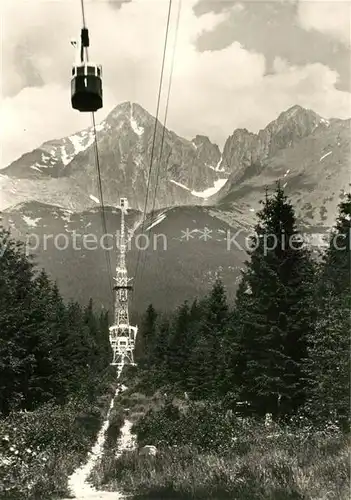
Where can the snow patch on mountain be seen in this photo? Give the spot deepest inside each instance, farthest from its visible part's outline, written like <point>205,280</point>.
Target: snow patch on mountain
<point>218,166</point>
<point>180,185</point>
<point>65,158</point>
<point>31,222</point>
<point>94,199</point>
<point>78,144</point>
<point>324,156</point>
<point>219,183</point>
<point>99,127</point>
<point>159,219</point>
<point>134,124</point>
<point>3,180</point>
<point>72,145</point>
<point>66,216</point>
<point>34,167</point>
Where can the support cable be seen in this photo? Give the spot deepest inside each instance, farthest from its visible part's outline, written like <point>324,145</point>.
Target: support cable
<point>154,136</point>
<point>85,45</point>
<point>164,123</point>
<point>167,106</point>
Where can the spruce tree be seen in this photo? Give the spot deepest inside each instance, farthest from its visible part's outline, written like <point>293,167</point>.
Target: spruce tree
<point>16,276</point>
<point>160,351</point>
<point>336,269</point>
<point>275,313</point>
<point>178,349</point>
<point>91,322</point>
<point>39,384</point>
<point>47,351</point>
<point>105,353</point>
<point>207,369</point>
<point>328,364</point>
<point>146,336</point>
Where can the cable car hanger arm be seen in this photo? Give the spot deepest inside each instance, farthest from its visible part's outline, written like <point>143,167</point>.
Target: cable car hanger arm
<point>84,37</point>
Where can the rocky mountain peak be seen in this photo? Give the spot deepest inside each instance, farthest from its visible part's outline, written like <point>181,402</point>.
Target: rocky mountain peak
<point>63,171</point>
<point>129,113</point>
<point>303,121</point>
<point>294,111</point>
<point>207,152</point>
<point>201,140</point>
<point>244,149</point>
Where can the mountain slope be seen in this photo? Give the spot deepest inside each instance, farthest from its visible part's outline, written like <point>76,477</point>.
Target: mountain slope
<point>309,154</point>
<point>179,261</point>
<point>64,171</point>
<point>314,171</point>
<point>244,148</point>
<point>179,250</point>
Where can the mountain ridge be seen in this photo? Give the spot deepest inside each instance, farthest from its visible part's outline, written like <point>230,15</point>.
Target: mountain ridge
<point>314,172</point>
<point>189,172</point>
<point>126,149</point>
<point>186,247</point>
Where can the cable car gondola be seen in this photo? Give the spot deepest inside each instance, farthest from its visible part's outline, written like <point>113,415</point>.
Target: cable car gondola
<point>86,83</point>
<point>86,87</point>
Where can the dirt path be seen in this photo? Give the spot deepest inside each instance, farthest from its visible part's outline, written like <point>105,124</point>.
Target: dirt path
<point>77,483</point>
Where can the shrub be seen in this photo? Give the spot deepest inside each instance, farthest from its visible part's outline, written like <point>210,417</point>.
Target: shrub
<point>40,449</point>
<point>114,429</point>
<point>283,469</point>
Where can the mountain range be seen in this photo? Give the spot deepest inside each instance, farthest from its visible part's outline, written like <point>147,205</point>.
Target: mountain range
<point>63,172</point>
<point>202,195</point>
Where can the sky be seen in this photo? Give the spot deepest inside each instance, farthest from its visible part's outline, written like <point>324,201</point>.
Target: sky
<point>237,64</point>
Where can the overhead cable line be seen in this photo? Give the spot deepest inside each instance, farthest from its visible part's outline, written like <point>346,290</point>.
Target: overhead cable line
<point>167,106</point>
<point>158,168</point>
<point>97,159</point>
<point>101,197</point>
<point>154,134</point>
<point>83,13</point>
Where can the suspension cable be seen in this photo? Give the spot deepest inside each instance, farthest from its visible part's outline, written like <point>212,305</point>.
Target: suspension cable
<point>167,106</point>
<point>164,126</point>
<point>154,134</point>
<point>101,197</point>
<point>98,170</point>
<point>83,13</point>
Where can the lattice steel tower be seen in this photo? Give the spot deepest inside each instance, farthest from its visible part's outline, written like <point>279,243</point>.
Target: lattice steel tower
<point>122,334</point>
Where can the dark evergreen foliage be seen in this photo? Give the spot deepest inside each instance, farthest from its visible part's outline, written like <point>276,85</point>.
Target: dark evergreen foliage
<point>146,336</point>
<point>336,271</point>
<point>328,363</point>
<point>48,350</point>
<point>281,348</point>
<point>275,311</point>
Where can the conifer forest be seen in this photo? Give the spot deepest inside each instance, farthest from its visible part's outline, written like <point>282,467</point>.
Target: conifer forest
<point>248,399</point>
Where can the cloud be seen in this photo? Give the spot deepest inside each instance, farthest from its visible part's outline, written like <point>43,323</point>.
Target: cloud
<point>329,17</point>
<point>213,92</point>
<point>29,119</point>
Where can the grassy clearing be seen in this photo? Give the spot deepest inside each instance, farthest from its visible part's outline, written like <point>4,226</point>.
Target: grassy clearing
<point>40,449</point>
<point>136,404</point>
<point>254,463</point>
<point>114,429</point>
<point>268,471</point>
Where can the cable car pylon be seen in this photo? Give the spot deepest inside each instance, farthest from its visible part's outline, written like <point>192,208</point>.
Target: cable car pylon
<point>86,83</point>
<point>122,334</point>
